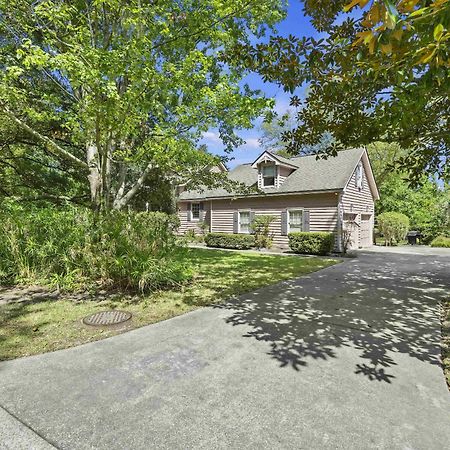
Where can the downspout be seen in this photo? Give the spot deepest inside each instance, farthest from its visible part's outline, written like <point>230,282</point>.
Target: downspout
<point>340,222</point>
<point>210,216</point>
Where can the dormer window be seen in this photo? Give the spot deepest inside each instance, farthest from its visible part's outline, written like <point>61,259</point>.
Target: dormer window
<point>272,170</point>
<point>269,174</point>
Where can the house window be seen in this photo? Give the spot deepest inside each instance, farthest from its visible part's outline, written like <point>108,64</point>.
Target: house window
<point>244,221</point>
<point>195,210</point>
<point>269,173</point>
<point>295,220</point>
<point>359,176</point>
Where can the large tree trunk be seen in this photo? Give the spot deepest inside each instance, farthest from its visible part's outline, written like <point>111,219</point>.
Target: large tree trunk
<point>95,183</point>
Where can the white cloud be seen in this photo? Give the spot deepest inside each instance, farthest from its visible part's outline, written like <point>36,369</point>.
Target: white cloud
<point>251,143</point>
<point>212,137</point>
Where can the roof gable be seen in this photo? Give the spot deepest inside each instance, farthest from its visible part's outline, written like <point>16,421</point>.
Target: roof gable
<point>310,175</point>
<point>369,175</point>
<point>272,157</point>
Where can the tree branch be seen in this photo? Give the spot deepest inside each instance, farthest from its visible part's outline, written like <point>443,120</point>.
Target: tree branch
<point>48,142</point>
<point>119,204</point>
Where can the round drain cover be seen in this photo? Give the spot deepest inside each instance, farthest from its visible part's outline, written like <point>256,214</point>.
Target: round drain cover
<point>102,318</point>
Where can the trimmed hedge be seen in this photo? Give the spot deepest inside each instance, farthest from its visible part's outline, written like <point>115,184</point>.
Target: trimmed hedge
<point>311,243</point>
<point>441,241</point>
<point>224,240</point>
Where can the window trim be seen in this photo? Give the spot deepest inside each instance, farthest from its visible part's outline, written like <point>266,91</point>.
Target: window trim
<point>239,221</point>
<point>195,219</point>
<point>289,210</point>
<point>275,176</point>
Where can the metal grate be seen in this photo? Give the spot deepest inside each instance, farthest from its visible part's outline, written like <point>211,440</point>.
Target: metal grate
<point>105,318</point>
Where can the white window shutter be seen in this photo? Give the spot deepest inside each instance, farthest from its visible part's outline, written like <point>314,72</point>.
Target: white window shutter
<point>189,213</point>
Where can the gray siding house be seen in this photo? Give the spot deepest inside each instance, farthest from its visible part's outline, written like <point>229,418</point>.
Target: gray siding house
<point>302,193</point>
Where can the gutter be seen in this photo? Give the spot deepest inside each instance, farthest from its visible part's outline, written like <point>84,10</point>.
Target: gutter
<point>271,194</point>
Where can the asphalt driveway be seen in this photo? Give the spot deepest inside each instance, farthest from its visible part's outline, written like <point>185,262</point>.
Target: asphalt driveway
<point>346,358</point>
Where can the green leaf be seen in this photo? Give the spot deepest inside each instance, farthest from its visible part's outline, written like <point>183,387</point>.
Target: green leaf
<point>438,32</point>
<point>418,12</point>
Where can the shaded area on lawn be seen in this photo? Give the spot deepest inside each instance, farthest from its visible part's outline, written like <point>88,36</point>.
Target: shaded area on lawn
<point>49,324</point>
<point>379,310</point>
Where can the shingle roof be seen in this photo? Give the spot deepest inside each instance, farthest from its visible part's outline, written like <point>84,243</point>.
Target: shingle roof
<point>312,175</point>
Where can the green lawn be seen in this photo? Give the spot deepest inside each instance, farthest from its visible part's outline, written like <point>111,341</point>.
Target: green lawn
<point>27,329</point>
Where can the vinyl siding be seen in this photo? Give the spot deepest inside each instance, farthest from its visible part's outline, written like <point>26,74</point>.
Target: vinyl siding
<point>186,225</point>
<point>322,207</point>
<point>283,173</point>
<point>359,202</point>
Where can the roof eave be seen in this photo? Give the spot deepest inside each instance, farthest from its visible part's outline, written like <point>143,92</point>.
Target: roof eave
<point>264,194</point>
<point>274,158</point>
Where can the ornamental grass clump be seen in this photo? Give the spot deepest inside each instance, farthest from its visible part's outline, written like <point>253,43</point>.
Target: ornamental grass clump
<point>74,248</point>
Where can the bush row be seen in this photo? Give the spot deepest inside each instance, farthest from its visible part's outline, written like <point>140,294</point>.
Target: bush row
<point>306,242</point>
<point>224,240</point>
<point>311,243</point>
<point>441,241</point>
<point>73,248</point>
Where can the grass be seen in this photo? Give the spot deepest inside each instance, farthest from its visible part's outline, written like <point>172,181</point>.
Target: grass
<point>32,328</point>
<point>446,339</point>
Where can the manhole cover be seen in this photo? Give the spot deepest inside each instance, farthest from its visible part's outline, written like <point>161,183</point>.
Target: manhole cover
<point>107,318</point>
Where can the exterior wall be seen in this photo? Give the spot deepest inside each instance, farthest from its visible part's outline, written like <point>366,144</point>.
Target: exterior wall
<point>186,225</point>
<point>283,173</point>
<point>359,203</point>
<point>322,207</point>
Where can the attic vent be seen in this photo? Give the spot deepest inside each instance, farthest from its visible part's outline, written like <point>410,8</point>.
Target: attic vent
<point>359,176</point>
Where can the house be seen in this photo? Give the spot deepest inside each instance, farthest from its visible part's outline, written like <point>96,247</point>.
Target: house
<point>303,193</point>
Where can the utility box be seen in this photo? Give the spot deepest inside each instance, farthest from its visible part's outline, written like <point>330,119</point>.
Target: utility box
<point>413,236</point>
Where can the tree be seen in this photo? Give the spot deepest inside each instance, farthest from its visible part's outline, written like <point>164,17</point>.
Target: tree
<point>380,73</point>
<point>426,205</point>
<point>275,128</point>
<point>272,131</point>
<point>118,89</point>
<point>393,226</point>
<point>29,172</point>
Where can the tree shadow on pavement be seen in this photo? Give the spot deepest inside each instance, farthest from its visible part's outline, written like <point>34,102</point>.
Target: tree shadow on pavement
<point>377,304</point>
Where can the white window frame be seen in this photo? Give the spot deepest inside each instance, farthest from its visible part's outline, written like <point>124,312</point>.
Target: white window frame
<point>289,211</point>
<point>239,221</point>
<point>195,219</point>
<point>275,176</point>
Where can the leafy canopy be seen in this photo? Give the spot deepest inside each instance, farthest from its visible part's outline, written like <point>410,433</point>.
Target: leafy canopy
<point>393,226</point>
<point>379,74</point>
<point>427,205</point>
<point>118,89</point>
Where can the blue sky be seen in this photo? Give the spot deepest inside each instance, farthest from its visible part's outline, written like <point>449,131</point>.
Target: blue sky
<point>297,24</point>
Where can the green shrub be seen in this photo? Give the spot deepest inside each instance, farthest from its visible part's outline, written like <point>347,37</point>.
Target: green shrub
<point>223,240</point>
<point>73,248</point>
<point>260,228</point>
<point>441,241</point>
<point>311,243</point>
<point>190,235</point>
<point>393,226</point>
